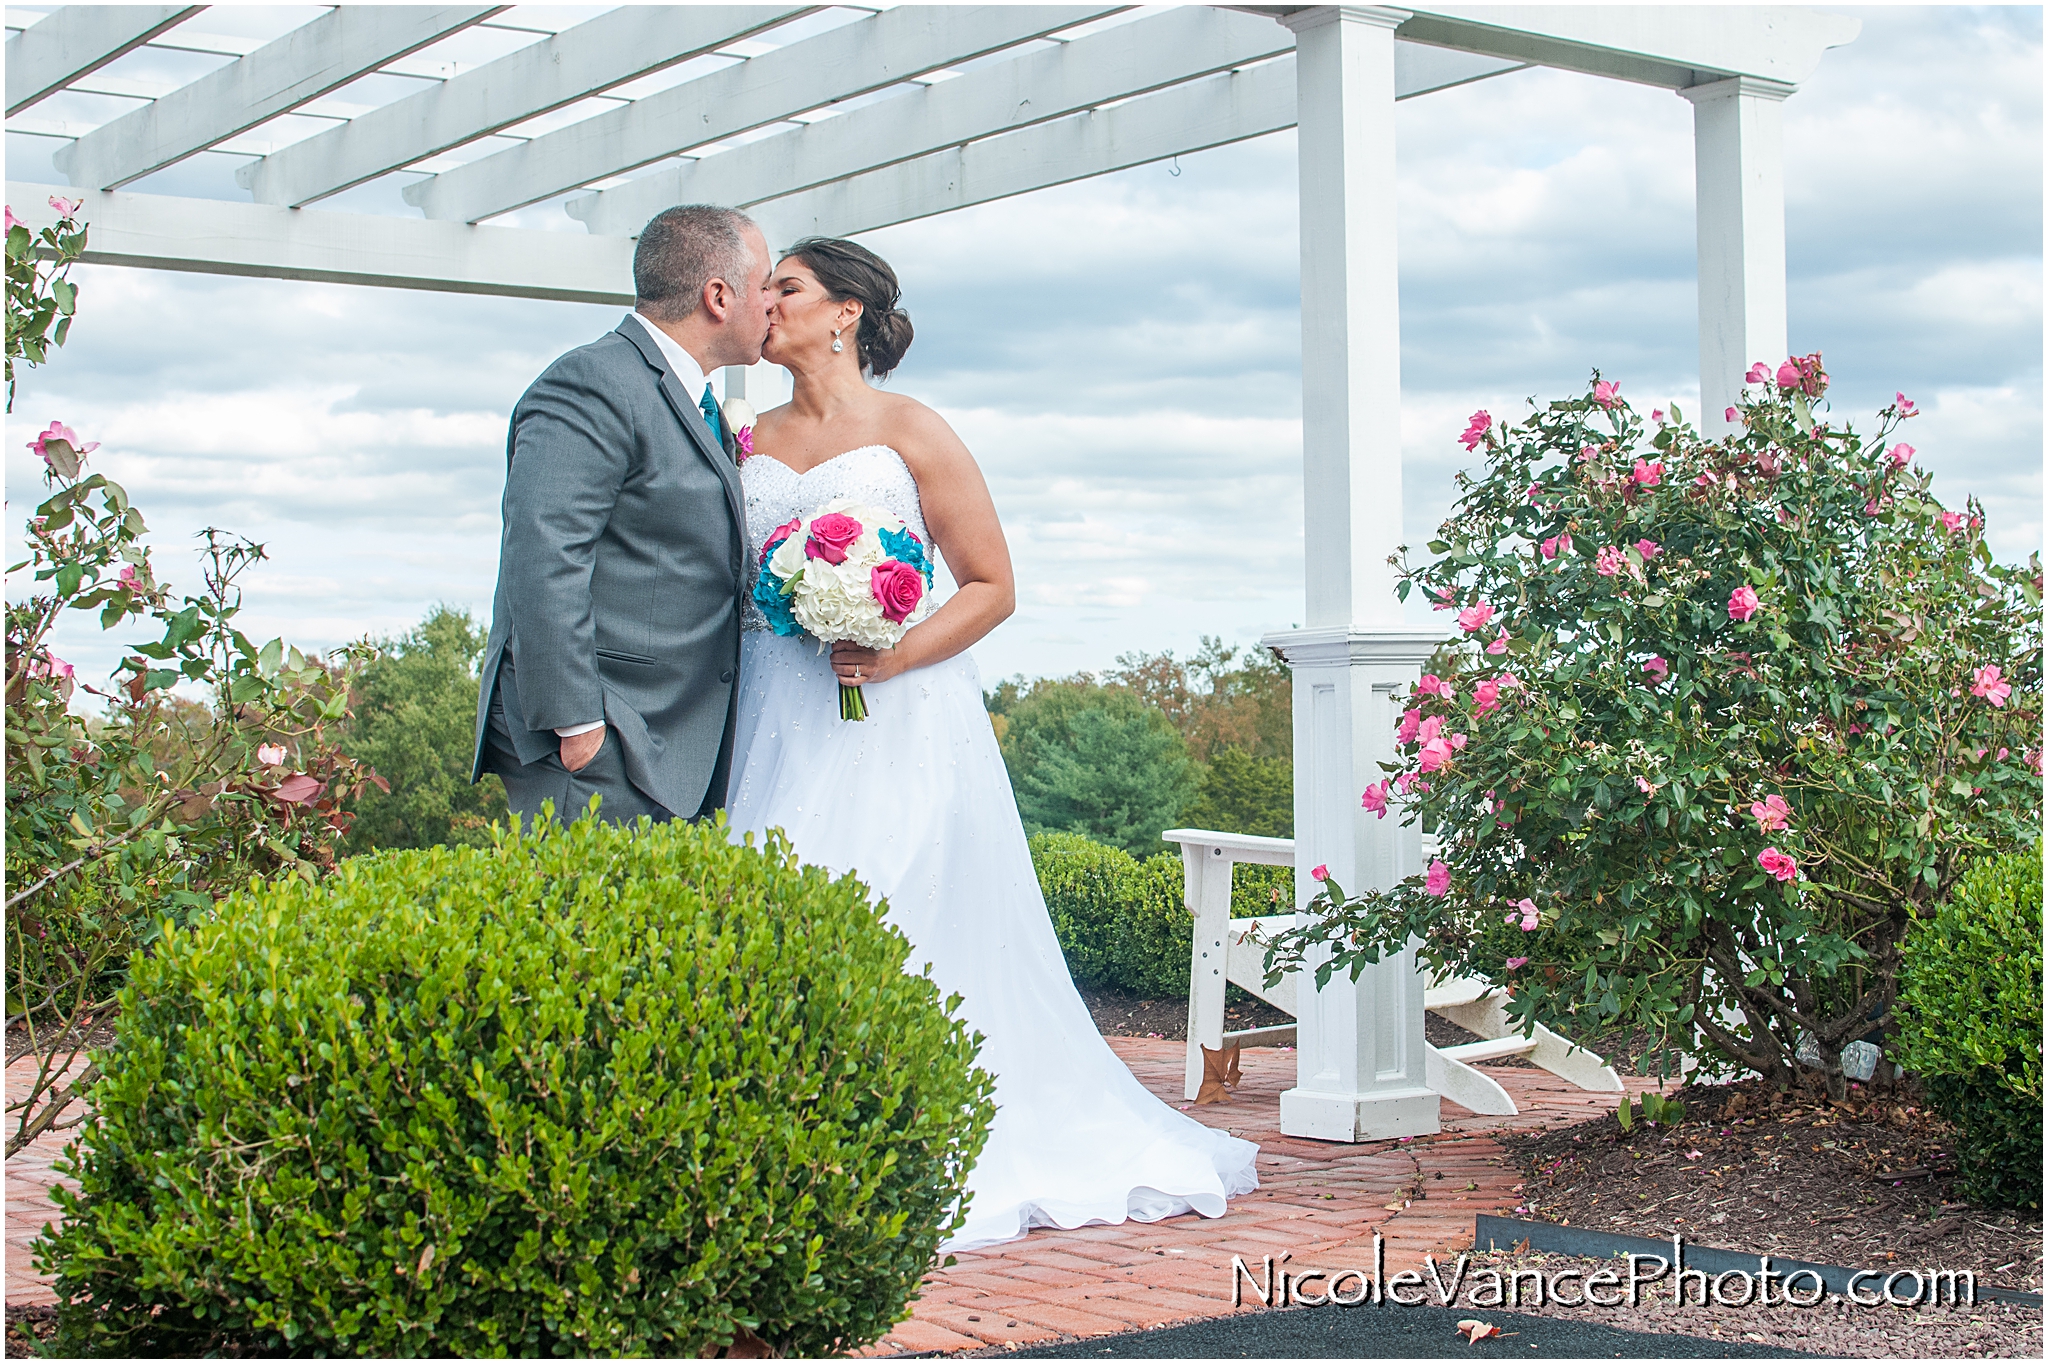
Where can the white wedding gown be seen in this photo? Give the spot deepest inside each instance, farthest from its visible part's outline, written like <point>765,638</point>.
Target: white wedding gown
<point>916,801</point>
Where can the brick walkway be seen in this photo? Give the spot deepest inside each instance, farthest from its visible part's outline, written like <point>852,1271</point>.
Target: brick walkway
<point>1318,1201</point>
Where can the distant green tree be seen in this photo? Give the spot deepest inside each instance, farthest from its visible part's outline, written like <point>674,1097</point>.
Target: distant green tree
<point>1245,794</point>
<point>1107,766</point>
<point>415,722</point>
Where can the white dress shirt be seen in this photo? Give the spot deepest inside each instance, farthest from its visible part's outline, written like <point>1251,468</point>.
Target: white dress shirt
<point>691,376</point>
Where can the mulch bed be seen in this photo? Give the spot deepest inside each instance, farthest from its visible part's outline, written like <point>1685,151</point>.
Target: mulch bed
<point>27,1326</point>
<point>1866,1183</point>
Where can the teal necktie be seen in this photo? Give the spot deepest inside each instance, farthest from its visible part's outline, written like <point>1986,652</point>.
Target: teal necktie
<point>709,407</point>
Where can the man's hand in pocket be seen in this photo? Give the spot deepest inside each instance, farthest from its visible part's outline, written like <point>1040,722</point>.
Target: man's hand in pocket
<point>579,749</point>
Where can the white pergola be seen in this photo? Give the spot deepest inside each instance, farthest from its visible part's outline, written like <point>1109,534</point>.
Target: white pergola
<point>420,147</point>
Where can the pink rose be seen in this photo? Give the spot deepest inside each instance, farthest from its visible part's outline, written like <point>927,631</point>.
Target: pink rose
<point>1778,864</point>
<point>1742,603</point>
<point>1533,490</point>
<point>1606,394</point>
<point>1531,920</point>
<point>1438,882</point>
<point>66,208</point>
<point>1730,414</point>
<point>1643,785</point>
<point>1905,405</point>
<point>1657,415</point>
<point>1788,375</point>
<point>1649,549</point>
<point>1771,813</point>
<point>1990,685</point>
<point>831,535</point>
<point>12,221</point>
<point>1758,373</point>
<point>1649,473</point>
<point>1901,453</point>
<point>1411,724</point>
<point>1509,682</point>
<point>129,578</point>
<point>1475,430</point>
<point>1435,753</point>
<point>1375,798</point>
<point>896,585</point>
<point>1608,561</point>
<point>1430,728</point>
<point>1499,645</point>
<point>1430,685</point>
<point>1320,871</point>
<point>1473,618</point>
<point>1517,963</point>
<point>1706,480</point>
<point>1657,668</point>
<point>270,755</point>
<point>1951,522</point>
<point>57,432</point>
<point>1549,548</point>
<point>51,668</point>
<point>1445,599</point>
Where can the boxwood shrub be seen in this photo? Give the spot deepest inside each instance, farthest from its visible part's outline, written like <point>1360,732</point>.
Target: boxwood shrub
<point>587,1091</point>
<point>1970,1009</point>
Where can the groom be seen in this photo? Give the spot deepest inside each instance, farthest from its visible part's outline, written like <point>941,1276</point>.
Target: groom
<point>615,630</point>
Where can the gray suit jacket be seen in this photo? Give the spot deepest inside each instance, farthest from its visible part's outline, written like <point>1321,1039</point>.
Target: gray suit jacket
<point>621,570</point>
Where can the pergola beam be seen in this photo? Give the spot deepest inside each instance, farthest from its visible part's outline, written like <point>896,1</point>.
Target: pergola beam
<point>1032,88</point>
<point>211,236</point>
<point>304,64</point>
<point>78,40</point>
<point>615,47</point>
<point>854,59</point>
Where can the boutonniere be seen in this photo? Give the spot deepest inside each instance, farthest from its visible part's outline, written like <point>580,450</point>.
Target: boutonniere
<point>740,417</point>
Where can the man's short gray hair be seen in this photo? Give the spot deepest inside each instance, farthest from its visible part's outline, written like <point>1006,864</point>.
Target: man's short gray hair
<point>684,248</point>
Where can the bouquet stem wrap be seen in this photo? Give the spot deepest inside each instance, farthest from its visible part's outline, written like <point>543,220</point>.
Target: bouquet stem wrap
<point>852,704</point>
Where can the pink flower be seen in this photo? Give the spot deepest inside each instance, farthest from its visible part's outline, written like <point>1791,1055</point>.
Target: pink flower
<point>1649,549</point>
<point>1952,521</point>
<point>1608,561</point>
<point>744,440</point>
<point>1320,871</point>
<point>1430,728</point>
<point>1771,813</point>
<point>51,668</point>
<point>1900,454</point>
<point>1788,375</point>
<point>898,587</point>
<point>12,221</point>
<point>1742,603</point>
<point>1375,798</point>
<point>1438,882</point>
<point>1499,645</point>
<point>1431,685</point>
<point>1531,920</point>
<point>1517,963</point>
<point>1485,697</point>
<point>1475,431</point>
<point>2001,755</point>
<point>1758,373</point>
<point>1533,490</point>
<point>58,431</point>
<point>66,208</point>
<point>1649,473</point>
<point>1778,864</point>
<point>1445,599</point>
<point>1730,414</point>
<point>129,578</point>
<point>1657,415</point>
<point>785,530</point>
<point>831,535</point>
<point>1643,785</point>
<point>1657,668</point>
<point>1457,741</point>
<point>271,755</point>
<point>1905,405</point>
<point>1509,682</point>
<point>1473,618</point>
<point>1706,480</point>
<point>1435,753</point>
<point>1990,685</point>
<point>1411,724</point>
<point>1606,394</point>
<point>1556,545</point>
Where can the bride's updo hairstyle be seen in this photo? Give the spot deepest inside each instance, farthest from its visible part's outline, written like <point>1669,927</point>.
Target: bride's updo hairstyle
<point>849,270</point>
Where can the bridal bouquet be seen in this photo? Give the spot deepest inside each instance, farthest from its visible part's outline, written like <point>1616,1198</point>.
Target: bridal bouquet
<point>848,571</point>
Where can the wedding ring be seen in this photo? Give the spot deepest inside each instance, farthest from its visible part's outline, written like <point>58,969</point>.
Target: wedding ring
<point>856,674</point>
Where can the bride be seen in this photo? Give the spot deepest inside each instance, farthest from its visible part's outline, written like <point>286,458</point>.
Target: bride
<point>915,800</point>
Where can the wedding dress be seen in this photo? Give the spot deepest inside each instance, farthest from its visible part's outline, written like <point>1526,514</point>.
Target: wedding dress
<point>915,800</point>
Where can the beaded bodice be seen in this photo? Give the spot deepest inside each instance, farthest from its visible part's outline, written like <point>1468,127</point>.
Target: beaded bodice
<point>776,493</point>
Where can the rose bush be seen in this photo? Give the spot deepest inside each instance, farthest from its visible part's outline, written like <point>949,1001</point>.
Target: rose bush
<point>1724,718</point>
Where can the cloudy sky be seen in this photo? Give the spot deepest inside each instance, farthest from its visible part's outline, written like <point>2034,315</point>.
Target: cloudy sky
<point>1123,355</point>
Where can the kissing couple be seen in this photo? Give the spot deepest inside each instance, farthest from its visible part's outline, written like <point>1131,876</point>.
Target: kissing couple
<point>627,660</point>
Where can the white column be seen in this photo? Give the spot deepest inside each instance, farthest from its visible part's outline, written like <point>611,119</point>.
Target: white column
<point>1360,1058</point>
<point>1739,167</point>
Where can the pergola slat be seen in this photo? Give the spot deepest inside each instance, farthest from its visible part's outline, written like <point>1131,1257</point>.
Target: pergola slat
<point>855,59</point>
<point>276,78</point>
<point>609,50</point>
<point>1035,87</point>
<point>78,40</point>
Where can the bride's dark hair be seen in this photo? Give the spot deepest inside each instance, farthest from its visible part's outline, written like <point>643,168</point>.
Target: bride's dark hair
<point>849,270</point>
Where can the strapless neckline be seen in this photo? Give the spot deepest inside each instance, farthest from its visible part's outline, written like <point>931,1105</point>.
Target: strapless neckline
<point>856,450</point>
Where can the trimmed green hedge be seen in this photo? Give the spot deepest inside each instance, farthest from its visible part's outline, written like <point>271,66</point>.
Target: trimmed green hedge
<point>1970,1012</point>
<point>1125,923</point>
<point>590,1091</point>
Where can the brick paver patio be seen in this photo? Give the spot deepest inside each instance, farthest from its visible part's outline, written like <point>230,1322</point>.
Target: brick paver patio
<point>1317,1201</point>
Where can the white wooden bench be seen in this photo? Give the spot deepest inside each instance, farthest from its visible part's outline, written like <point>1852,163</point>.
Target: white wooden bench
<point>1229,951</point>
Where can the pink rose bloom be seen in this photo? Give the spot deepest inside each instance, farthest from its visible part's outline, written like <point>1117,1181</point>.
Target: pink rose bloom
<point>1606,394</point>
<point>1900,454</point>
<point>1657,415</point>
<point>785,530</point>
<point>12,221</point>
<point>1549,547</point>
<point>1473,618</point>
<point>66,208</point>
<point>1517,963</point>
<point>1657,668</point>
<point>1499,645</point>
<point>1990,685</point>
<point>59,431</point>
<point>1446,599</point>
<point>1758,373</point>
<point>1435,753</point>
<point>1438,882</point>
<point>1485,697</point>
<point>1533,490</point>
<point>1608,561</point>
<point>1771,813</point>
<point>129,578</point>
<point>1509,682</point>
<point>270,755</point>
<point>2001,755</point>
<point>51,667</point>
<point>1649,549</point>
<point>1742,603</point>
<point>1320,871</point>
<point>1643,785</point>
<point>1531,920</point>
<point>1788,375</point>
<point>1411,724</point>
<point>1431,728</point>
<point>1475,430</point>
<point>1778,864</point>
<point>1706,480</point>
<point>1375,798</point>
<point>1905,405</point>
<point>1431,685</point>
<point>898,587</point>
<point>1457,741</point>
<point>1952,522</point>
<point>831,535</point>
<point>1730,414</point>
<point>1649,473</point>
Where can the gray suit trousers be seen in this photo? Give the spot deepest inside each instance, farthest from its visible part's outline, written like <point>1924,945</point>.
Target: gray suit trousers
<point>529,785</point>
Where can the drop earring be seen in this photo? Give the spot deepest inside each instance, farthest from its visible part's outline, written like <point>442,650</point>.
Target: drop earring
<point>836,346</point>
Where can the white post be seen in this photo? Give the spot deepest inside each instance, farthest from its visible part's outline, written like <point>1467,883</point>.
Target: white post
<point>1739,168</point>
<point>1360,1070</point>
